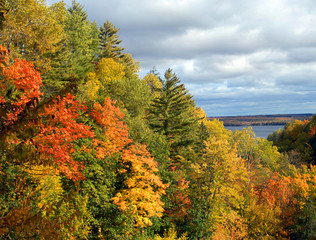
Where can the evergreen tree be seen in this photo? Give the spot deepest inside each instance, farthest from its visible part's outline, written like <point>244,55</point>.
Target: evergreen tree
<point>109,47</point>
<point>83,40</point>
<point>109,42</point>
<point>78,52</point>
<point>172,112</point>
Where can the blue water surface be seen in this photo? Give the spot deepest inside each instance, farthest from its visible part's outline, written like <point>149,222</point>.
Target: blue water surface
<point>261,131</point>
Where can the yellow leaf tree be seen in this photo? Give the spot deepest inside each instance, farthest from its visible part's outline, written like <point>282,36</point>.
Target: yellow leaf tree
<point>32,29</point>
<point>107,71</point>
<point>138,191</point>
<point>141,195</point>
<point>218,190</point>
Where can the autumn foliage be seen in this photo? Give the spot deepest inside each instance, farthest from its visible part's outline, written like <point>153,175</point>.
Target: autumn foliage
<point>141,195</point>
<point>59,129</point>
<point>55,127</point>
<point>114,135</point>
<point>89,150</point>
<point>19,86</point>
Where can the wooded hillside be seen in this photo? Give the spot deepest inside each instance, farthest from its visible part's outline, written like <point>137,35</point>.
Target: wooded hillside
<point>89,150</point>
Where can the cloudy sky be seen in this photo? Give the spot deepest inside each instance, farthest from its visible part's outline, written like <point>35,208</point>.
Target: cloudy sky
<point>237,57</point>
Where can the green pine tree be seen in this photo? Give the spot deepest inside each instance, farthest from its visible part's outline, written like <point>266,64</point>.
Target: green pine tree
<point>83,40</point>
<point>172,112</point>
<point>109,47</point>
<point>109,42</point>
<point>77,55</point>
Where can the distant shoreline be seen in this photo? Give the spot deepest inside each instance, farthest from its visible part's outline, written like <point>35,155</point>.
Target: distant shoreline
<point>262,120</point>
<point>256,124</point>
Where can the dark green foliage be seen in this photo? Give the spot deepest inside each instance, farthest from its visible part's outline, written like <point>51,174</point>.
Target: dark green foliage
<point>12,175</point>
<point>133,94</point>
<point>275,136</point>
<point>171,115</point>
<point>78,52</point>
<point>99,188</point>
<point>312,139</point>
<point>305,228</point>
<point>202,135</point>
<point>83,40</point>
<point>298,139</point>
<point>172,112</point>
<point>161,114</point>
<point>109,47</point>
<point>59,75</point>
<point>109,42</point>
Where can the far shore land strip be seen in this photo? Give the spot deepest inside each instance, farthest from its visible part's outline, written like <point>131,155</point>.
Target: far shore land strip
<point>255,120</point>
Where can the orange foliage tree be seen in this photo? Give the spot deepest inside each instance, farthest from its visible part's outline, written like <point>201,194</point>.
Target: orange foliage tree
<point>52,127</point>
<point>279,200</point>
<point>39,134</point>
<point>139,196</point>
<point>36,148</point>
<point>58,132</point>
<point>115,133</point>
<point>19,86</point>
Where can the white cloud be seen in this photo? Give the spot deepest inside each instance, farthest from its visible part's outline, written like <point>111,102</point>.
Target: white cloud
<point>236,57</point>
<point>237,65</point>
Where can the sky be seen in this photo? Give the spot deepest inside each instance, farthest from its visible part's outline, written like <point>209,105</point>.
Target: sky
<point>245,57</point>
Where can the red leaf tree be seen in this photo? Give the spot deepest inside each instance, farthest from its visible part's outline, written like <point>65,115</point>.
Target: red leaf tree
<point>55,125</point>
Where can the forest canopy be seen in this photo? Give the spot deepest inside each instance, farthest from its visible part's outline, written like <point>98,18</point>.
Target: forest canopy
<point>90,150</point>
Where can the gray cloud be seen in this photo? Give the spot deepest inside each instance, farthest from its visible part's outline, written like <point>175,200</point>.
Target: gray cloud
<point>236,57</point>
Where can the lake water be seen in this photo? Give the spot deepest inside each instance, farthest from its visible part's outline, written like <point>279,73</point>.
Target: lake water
<point>260,131</point>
